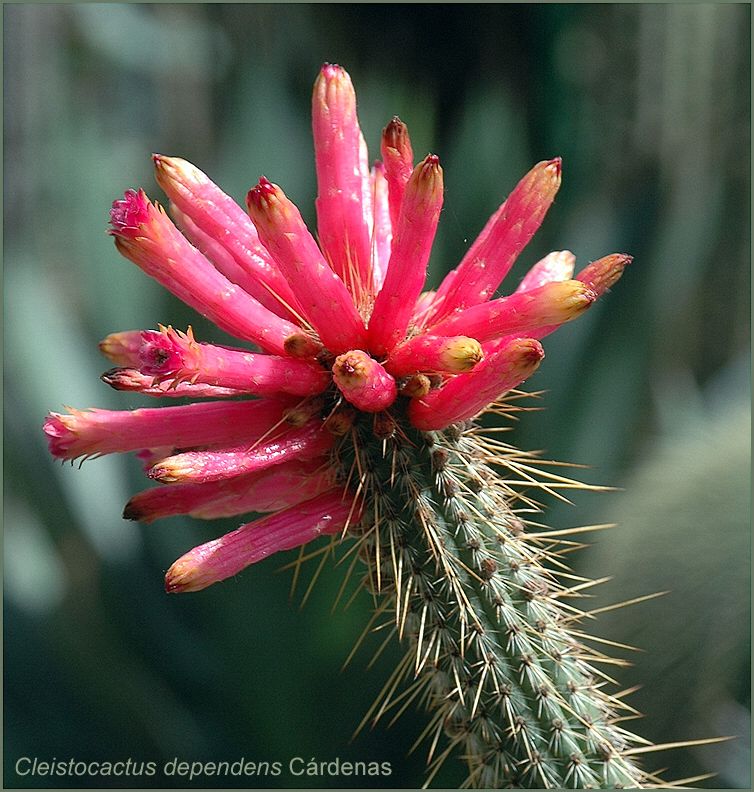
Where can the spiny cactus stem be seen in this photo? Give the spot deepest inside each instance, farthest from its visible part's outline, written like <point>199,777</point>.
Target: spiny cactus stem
<point>480,606</point>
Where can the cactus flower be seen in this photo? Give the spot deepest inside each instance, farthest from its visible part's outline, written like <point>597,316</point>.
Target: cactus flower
<point>345,407</point>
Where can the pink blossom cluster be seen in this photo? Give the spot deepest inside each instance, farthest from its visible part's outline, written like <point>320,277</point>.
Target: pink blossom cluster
<point>340,323</point>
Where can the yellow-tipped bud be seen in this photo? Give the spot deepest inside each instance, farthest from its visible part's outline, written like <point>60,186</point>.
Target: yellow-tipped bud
<point>122,348</point>
<point>461,354</point>
<point>189,573</point>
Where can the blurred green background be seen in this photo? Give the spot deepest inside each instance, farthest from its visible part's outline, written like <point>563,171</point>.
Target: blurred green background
<point>649,107</point>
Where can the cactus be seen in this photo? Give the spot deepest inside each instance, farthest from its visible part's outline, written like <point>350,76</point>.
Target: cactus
<point>357,419</point>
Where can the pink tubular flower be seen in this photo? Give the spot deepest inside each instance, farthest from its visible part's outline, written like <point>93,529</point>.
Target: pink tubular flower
<point>268,490</point>
<point>363,381</point>
<point>398,157</point>
<point>171,354</point>
<point>468,394</point>
<point>214,465</point>
<point>95,432</point>
<point>129,379</point>
<point>446,354</point>
<point>221,558</point>
<point>345,337</point>
<point>407,267</point>
<point>491,256</point>
<point>342,173</point>
<point>550,304</point>
<point>218,226</point>
<point>323,296</point>
<point>145,234</point>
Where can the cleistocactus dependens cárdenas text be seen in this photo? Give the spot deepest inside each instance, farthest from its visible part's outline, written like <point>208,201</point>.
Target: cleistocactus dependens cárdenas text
<point>354,416</point>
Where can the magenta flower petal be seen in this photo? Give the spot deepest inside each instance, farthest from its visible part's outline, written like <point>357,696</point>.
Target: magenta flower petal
<point>213,465</point>
<point>322,295</point>
<point>86,433</point>
<point>227,265</point>
<point>551,304</point>
<point>213,220</point>
<point>342,178</point>
<point>363,381</point>
<point>145,235</point>
<point>171,354</point>
<point>598,277</point>
<point>221,558</point>
<point>430,353</point>
<point>129,379</point>
<point>412,245</point>
<point>604,273</point>
<point>467,395</point>
<point>273,489</point>
<point>398,157</point>
<point>263,491</point>
<point>122,348</point>
<point>504,236</point>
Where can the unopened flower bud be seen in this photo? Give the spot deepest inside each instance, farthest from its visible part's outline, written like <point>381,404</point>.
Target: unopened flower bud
<point>604,273</point>
<point>416,386</point>
<point>363,381</point>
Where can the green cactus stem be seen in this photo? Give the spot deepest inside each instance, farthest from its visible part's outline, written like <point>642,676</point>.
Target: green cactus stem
<point>494,651</point>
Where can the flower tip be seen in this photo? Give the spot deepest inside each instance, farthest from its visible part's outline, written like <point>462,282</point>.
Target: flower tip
<point>185,576</point>
<point>197,569</point>
<point>588,297</point>
<point>604,273</point>
<point>363,381</point>
<point>351,368</point>
<point>160,352</point>
<point>121,347</point>
<point>129,212</point>
<point>331,71</point>
<point>59,435</point>
<point>172,173</point>
<point>162,167</point>
<point>395,134</point>
<point>333,91</point>
<point>131,511</point>
<point>577,296</point>
<point>260,195</point>
<point>555,165</point>
<point>429,173</point>
<point>528,352</point>
<point>462,354</point>
<point>122,379</point>
<point>300,345</point>
<point>168,471</point>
